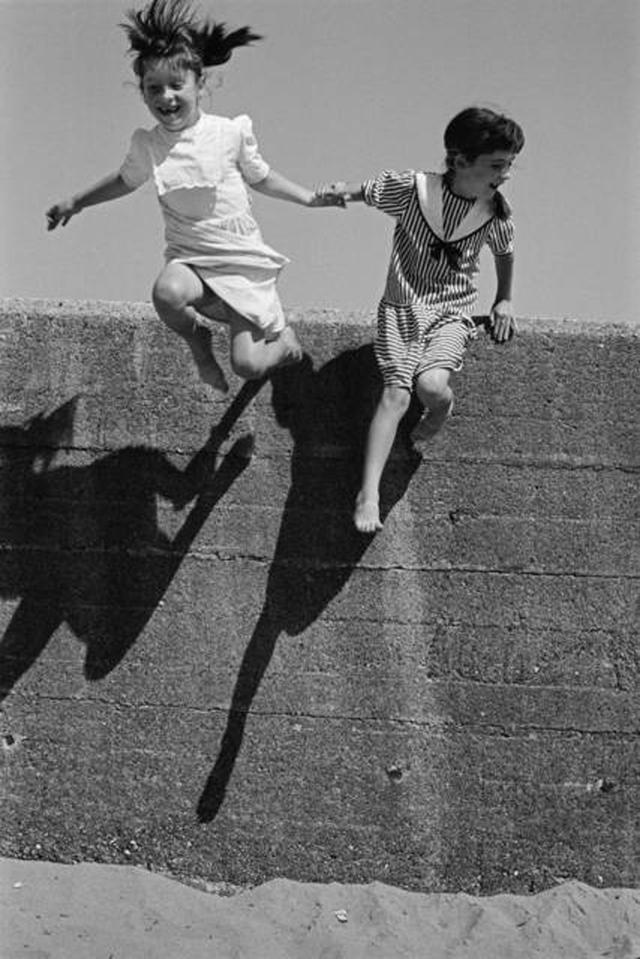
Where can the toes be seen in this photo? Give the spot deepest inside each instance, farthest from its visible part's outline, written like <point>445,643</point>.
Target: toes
<point>213,375</point>
<point>367,517</point>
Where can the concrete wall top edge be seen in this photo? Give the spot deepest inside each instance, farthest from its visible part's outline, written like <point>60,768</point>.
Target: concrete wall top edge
<point>87,309</point>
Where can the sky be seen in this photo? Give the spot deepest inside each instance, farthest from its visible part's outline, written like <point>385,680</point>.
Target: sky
<point>337,89</point>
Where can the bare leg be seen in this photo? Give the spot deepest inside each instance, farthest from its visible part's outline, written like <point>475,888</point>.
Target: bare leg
<point>393,404</point>
<point>434,392</point>
<point>253,356</point>
<point>177,294</point>
<point>209,369</point>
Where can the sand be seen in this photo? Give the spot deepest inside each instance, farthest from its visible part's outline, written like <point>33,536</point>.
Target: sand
<point>54,911</point>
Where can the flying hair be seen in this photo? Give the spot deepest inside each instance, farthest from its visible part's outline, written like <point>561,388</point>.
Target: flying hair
<point>168,29</point>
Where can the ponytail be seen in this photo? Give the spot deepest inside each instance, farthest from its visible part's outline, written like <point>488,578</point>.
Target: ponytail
<point>167,29</point>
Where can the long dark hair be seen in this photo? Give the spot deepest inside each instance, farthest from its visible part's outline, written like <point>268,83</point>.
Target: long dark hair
<point>169,30</point>
<point>479,130</point>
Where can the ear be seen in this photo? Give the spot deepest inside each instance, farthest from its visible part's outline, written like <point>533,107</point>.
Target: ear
<point>460,162</point>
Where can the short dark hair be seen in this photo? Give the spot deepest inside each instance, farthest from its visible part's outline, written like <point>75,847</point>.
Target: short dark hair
<point>479,130</point>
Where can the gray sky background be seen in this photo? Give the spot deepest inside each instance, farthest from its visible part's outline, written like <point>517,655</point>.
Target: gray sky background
<point>337,89</point>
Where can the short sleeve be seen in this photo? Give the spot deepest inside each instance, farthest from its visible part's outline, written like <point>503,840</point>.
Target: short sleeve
<point>500,238</point>
<point>252,166</point>
<point>136,166</point>
<point>390,191</point>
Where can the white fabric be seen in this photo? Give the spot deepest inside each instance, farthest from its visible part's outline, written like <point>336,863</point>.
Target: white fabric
<point>201,175</point>
<point>429,187</point>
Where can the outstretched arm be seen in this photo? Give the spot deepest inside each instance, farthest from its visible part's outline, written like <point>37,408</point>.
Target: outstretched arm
<point>280,188</point>
<point>110,188</point>
<point>503,324</point>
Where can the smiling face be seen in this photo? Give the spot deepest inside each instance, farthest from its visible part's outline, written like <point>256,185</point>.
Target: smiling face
<point>484,175</point>
<point>172,94</point>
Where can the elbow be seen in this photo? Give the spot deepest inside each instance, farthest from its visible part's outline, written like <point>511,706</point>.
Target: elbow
<point>122,188</point>
<point>261,185</point>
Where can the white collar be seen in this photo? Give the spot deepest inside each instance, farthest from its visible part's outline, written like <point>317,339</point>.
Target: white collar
<point>430,187</point>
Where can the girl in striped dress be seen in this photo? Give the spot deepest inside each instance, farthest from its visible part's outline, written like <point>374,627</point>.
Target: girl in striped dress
<point>424,316</point>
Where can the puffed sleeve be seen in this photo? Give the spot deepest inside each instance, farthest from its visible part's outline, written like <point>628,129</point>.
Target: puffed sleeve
<point>136,166</point>
<point>390,191</point>
<point>500,238</point>
<point>252,166</point>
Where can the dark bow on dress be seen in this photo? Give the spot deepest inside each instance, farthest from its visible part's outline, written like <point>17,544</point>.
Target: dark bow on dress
<point>451,253</point>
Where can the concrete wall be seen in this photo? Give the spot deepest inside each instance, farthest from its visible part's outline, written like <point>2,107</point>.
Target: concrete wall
<point>208,671</point>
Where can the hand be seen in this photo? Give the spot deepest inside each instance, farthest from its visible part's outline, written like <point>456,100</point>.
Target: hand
<point>501,321</point>
<point>334,194</point>
<point>61,213</point>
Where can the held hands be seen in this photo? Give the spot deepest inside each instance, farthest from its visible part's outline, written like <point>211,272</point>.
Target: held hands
<point>501,321</point>
<point>333,194</point>
<point>61,213</point>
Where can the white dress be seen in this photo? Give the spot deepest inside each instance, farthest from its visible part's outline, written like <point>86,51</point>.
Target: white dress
<point>201,176</point>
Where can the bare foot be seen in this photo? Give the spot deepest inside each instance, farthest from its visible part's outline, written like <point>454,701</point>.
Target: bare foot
<point>367,515</point>
<point>292,348</point>
<point>430,423</point>
<point>211,373</point>
<point>209,369</point>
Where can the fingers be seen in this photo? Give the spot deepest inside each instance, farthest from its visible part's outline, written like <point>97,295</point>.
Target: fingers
<point>59,214</point>
<point>328,200</point>
<point>331,194</point>
<point>55,217</point>
<point>503,327</point>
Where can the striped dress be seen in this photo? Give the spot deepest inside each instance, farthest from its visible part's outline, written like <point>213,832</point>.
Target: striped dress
<point>424,316</point>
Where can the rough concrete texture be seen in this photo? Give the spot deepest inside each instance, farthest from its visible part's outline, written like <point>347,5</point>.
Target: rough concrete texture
<point>207,670</point>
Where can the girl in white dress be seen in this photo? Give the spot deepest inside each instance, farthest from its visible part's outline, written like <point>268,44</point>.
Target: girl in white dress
<point>217,264</point>
<point>424,316</point>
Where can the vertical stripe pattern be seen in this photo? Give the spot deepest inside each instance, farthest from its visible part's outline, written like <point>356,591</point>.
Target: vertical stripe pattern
<point>426,287</point>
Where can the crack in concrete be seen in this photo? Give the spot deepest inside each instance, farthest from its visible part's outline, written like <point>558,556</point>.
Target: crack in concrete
<point>346,454</point>
<point>298,565</point>
<point>437,722</point>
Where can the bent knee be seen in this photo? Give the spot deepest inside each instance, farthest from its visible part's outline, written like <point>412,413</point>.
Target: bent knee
<point>247,369</point>
<point>170,290</point>
<point>433,387</point>
<point>396,399</point>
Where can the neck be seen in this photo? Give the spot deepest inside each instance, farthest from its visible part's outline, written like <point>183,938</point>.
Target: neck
<point>457,183</point>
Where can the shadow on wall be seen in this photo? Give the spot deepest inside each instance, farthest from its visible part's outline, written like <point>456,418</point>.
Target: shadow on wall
<point>81,544</point>
<point>327,413</point>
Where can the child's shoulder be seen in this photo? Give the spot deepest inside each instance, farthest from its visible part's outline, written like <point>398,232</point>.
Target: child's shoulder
<point>394,183</point>
<point>236,130</point>
<point>404,177</point>
<point>241,121</point>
